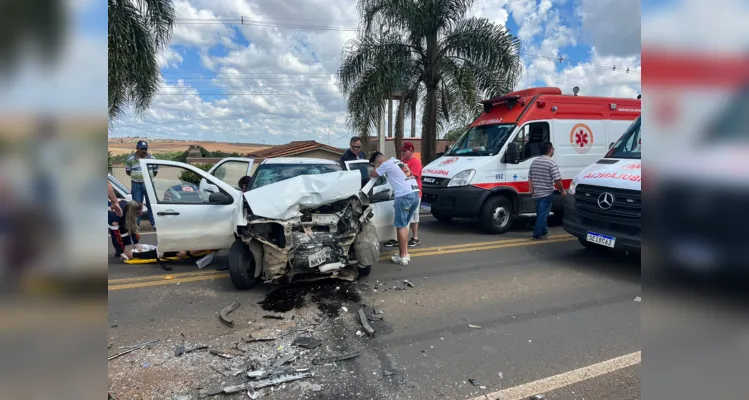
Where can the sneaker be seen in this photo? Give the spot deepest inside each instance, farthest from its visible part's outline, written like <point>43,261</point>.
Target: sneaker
<point>414,242</point>
<point>390,243</point>
<point>400,260</point>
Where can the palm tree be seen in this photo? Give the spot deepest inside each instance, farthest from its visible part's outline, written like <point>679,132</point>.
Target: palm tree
<point>427,51</point>
<point>138,31</point>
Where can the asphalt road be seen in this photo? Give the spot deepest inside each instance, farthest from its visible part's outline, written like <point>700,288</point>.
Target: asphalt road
<point>517,317</point>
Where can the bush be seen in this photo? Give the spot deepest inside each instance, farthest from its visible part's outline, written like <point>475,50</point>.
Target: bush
<point>189,176</point>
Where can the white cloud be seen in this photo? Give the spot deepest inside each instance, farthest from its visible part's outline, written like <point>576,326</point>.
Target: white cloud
<point>612,26</point>
<point>282,85</point>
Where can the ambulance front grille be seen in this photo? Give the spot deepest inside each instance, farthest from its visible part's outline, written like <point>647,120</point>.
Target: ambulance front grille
<point>625,209</point>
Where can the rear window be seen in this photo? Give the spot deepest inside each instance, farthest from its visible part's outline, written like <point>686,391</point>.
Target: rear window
<point>267,174</point>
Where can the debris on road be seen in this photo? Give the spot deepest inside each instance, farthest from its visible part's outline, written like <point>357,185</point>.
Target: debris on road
<point>320,361</point>
<point>474,326</point>
<point>364,323</point>
<point>218,370</point>
<point>638,299</point>
<point>196,348</point>
<point>388,373</point>
<point>272,317</point>
<point>306,342</point>
<point>344,309</point>
<point>252,339</point>
<point>537,397</point>
<point>225,312</point>
<point>131,349</point>
<point>283,359</point>
<point>180,349</point>
<point>474,382</point>
<point>408,283</point>
<point>379,311</point>
<point>226,353</point>
<point>273,381</point>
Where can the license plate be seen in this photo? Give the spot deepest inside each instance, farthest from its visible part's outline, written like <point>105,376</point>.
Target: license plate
<point>426,207</point>
<point>603,240</point>
<point>317,259</point>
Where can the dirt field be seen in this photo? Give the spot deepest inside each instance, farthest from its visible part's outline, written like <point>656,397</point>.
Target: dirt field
<point>117,146</point>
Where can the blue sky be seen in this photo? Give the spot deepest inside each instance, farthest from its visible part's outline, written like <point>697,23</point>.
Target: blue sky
<point>272,79</point>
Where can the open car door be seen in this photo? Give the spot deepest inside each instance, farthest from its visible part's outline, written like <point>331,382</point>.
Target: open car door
<point>381,196</point>
<point>191,221</point>
<point>229,170</point>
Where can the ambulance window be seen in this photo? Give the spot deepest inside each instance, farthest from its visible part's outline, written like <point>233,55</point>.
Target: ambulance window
<point>530,137</point>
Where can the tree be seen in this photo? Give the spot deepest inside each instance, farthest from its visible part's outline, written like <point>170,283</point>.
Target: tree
<point>430,53</point>
<point>138,31</point>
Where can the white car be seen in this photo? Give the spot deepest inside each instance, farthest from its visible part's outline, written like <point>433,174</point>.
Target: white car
<point>122,191</point>
<point>302,218</point>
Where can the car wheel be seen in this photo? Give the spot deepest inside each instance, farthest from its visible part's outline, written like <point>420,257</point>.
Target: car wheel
<point>442,218</point>
<point>497,215</point>
<point>364,270</point>
<point>241,266</point>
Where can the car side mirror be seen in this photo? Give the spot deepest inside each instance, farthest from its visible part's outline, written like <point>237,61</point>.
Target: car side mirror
<point>512,156</point>
<point>220,198</point>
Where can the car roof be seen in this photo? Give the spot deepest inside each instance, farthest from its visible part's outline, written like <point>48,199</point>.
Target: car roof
<point>299,160</point>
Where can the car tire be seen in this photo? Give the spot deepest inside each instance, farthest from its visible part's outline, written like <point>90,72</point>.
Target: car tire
<point>497,215</point>
<point>364,271</point>
<point>442,218</point>
<point>242,266</point>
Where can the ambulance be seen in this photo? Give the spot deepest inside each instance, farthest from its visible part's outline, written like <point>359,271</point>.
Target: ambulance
<point>603,207</point>
<point>484,174</point>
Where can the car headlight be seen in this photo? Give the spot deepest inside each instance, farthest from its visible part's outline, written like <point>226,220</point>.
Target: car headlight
<point>462,178</point>
<point>571,190</point>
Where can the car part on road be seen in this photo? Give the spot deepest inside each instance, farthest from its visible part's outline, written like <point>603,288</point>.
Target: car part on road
<point>474,382</point>
<point>259,339</point>
<point>408,283</point>
<point>474,326</point>
<point>320,361</point>
<point>537,397</point>
<point>131,349</point>
<point>226,353</point>
<point>223,315</point>
<point>283,359</point>
<point>200,347</point>
<point>180,348</point>
<point>364,323</point>
<point>274,381</point>
<point>272,317</point>
<point>306,342</point>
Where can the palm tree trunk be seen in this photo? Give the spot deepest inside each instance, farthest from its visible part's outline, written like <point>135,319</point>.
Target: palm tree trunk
<point>413,120</point>
<point>399,128</point>
<point>429,132</point>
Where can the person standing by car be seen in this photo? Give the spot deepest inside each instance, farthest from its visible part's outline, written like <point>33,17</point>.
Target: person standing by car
<point>406,202</point>
<point>137,186</point>
<point>543,175</point>
<point>354,151</point>
<point>414,165</point>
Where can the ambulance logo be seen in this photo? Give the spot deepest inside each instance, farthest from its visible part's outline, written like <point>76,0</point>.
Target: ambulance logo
<point>581,138</point>
<point>449,161</point>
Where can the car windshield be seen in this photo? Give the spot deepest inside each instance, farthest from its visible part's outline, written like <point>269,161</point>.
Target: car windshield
<point>629,145</point>
<point>119,185</point>
<point>482,140</point>
<point>272,173</point>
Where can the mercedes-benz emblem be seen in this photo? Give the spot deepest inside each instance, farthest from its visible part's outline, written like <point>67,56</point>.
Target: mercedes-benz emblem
<point>605,200</point>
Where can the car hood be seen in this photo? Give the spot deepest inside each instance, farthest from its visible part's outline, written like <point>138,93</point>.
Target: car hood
<point>621,174</point>
<point>286,199</point>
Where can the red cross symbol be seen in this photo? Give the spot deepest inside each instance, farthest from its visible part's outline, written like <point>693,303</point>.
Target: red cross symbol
<point>581,138</point>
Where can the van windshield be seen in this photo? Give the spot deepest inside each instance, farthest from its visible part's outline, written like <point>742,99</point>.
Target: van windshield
<point>482,140</point>
<point>629,145</point>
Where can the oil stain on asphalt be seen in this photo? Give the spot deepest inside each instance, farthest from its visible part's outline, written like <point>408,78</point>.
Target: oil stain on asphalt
<point>329,296</point>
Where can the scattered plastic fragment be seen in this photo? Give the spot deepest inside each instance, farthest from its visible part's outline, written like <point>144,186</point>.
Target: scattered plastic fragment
<point>364,322</point>
<point>388,373</point>
<point>180,349</point>
<point>360,333</point>
<point>638,299</point>
<point>344,309</point>
<point>226,353</point>
<point>272,317</point>
<point>474,382</point>
<point>474,326</point>
<point>200,347</point>
<point>281,360</point>
<point>223,316</point>
<point>133,348</point>
<point>538,397</point>
<point>276,380</point>
<point>379,311</point>
<point>306,342</point>
<point>408,283</point>
<point>253,394</point>
<point>252,339</point>
<point>319,361</point>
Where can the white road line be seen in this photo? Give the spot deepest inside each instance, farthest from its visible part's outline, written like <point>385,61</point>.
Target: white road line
<point>546,385</point>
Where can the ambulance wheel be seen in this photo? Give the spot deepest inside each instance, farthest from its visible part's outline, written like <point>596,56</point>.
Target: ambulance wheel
<point>241,266</point>
<point>497,215</point>
<point>441,218</point>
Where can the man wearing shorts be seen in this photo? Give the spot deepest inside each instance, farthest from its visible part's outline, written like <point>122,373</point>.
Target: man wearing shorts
<point>414,165</point>
<point>406,203</point>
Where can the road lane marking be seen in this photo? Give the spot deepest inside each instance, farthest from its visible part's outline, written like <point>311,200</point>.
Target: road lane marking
<point>565,379</point>
<point>168,282</point>
<point>158,280</point>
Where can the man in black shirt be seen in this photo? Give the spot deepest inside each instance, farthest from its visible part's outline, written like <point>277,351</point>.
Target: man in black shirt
<point>354,151</point>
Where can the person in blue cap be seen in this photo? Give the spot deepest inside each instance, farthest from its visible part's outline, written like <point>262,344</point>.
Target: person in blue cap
<point>137,186</point>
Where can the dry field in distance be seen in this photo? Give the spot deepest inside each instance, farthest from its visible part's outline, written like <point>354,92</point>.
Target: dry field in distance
<point>117,146</point>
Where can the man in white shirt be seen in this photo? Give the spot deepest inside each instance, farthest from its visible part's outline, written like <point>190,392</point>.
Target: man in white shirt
<point>406,190</point>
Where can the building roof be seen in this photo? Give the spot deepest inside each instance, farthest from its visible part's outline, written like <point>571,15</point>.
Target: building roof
<point>293,148</point>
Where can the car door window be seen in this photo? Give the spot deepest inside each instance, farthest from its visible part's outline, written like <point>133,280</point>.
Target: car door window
<point>179,185</point>
<point>231,172</point>
<point>530,137</point>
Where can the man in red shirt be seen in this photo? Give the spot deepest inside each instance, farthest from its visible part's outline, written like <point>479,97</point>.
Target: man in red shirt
<point>414,165</point>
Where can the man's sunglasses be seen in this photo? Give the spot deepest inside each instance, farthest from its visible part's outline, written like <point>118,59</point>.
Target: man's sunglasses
<point>356,147</point>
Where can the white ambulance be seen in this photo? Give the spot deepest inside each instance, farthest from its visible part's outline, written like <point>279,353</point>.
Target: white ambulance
<point>603,207</point>
<point>484,175</point>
